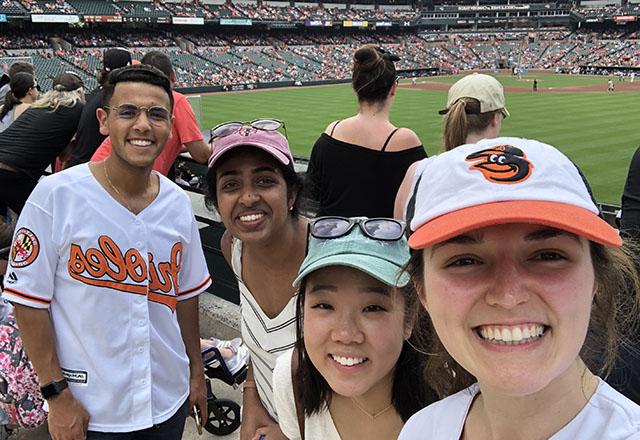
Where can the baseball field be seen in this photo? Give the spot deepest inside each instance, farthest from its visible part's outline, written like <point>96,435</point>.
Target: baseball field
<point>596,128</point>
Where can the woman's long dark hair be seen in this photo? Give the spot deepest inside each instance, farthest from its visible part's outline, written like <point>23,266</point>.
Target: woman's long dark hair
<point>20,85</point>
<point>410,392</point>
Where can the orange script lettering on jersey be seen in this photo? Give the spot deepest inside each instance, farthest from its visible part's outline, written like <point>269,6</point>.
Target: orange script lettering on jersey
<point>107,266</point>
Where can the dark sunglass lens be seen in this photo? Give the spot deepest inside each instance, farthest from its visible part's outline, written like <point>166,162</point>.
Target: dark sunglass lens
<point>159,114</point>
<point>329,227</point>
<point>384,229</point>
<point>266,124</point>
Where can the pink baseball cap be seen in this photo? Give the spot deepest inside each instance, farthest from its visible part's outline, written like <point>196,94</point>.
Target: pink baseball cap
<point>271,141</point>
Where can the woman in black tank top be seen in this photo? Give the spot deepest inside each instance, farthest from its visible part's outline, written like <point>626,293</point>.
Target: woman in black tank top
<point>357,164</point>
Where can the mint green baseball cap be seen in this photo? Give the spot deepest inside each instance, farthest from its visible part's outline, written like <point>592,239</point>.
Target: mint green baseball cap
<point>384,260</point>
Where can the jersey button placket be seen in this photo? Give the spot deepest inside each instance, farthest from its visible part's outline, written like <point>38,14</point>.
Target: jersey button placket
<point>141,334</point>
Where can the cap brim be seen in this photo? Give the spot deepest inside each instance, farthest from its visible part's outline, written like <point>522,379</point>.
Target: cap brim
<point>569,218</point>
<point>505,112</point>
<point>267,148</point>
<point>378,268</point>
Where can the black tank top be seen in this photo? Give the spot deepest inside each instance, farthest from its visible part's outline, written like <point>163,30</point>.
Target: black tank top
<point>350,180</point>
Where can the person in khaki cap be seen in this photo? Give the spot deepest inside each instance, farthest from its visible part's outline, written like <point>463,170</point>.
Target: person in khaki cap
<point>475,110</point>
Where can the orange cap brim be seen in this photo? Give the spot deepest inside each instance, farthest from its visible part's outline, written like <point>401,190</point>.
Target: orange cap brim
<point>563,216</point>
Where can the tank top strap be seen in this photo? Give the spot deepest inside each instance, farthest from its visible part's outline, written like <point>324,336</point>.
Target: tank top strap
<point>236,257</point>
<point>384,147</point>
<point>334,127</point>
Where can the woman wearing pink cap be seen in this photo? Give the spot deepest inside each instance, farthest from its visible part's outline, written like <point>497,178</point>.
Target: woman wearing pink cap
<point>529,293</point>
<point>253,185</point>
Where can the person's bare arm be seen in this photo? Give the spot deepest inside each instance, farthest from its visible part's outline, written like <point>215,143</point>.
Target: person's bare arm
<point>68,419</point>
<point>403,193</point>
<point>188,321</point>
<point>256,421</point>
<point>200,151</point>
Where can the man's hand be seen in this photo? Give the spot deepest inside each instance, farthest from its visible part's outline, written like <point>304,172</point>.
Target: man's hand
<point>68,420</point>
<point>198,397</point>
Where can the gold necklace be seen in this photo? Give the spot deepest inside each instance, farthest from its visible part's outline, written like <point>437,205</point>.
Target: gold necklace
<point>124,200</point>
<point>374,415</point>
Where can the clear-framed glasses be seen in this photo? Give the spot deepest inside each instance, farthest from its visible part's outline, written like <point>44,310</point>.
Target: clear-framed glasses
<point>231,127</point>
<point>384,229</point>
<point>156,114</point>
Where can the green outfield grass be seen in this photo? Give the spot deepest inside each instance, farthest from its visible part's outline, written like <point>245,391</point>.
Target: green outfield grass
<point>544,80</point>
<point>599,131</point>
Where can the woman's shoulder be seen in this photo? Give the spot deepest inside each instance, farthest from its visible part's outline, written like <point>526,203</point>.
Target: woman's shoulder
<point>331,127</point>
<point>442,419</point>
<point>608,415</point>
<point>404,139</point>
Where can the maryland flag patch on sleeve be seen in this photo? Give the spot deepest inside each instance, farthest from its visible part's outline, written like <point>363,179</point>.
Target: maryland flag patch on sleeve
<point>25,248</point>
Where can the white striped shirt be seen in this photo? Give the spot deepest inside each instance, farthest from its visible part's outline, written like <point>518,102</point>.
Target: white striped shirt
<point>266,338</point>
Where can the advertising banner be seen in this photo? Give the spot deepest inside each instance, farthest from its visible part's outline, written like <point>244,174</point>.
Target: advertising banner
<point>188,20</point>
<point>54,18</point>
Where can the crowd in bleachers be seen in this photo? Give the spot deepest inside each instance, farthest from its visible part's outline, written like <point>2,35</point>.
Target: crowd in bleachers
<point>254,11</point>
<point>207,59</point>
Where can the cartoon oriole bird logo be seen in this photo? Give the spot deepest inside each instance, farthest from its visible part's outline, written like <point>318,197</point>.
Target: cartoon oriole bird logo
<point>501,164</point>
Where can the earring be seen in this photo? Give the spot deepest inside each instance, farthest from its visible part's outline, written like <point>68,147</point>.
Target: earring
<point>291,208</point>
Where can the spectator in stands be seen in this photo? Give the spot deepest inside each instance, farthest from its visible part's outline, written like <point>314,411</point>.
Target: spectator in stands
<point>34,140</point>
<point>358,163</point>
<point>18,66</point>
<point>185,127</point>
<point>88,137</point>
<point>475,110</point>
<point>23,93</point>
<point>625,377</point>
<point>254,187</point>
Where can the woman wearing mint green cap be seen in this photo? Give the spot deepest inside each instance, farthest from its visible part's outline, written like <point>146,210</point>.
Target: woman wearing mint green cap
<point>357,375</point>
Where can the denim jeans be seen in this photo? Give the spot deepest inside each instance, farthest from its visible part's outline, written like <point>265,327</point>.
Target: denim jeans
<point>168,430</point>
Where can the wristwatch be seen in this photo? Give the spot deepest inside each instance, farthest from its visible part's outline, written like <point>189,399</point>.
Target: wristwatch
<point>53,388</point>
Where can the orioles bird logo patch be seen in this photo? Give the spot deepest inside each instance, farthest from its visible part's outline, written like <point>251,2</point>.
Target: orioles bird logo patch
<point>25,248</point>
<point>501,164</point>
<point>247,131</point>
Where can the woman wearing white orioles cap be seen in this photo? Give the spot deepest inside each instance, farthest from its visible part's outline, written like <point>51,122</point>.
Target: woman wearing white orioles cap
<point>528,291</point>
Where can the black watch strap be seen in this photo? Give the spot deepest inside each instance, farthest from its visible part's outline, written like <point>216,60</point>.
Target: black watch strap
<point>54,388</point>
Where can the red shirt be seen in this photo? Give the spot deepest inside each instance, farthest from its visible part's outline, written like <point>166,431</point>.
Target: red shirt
<point>185,129</point>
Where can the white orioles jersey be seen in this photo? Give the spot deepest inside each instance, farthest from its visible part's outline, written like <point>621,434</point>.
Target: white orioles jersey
<point>111,280</point>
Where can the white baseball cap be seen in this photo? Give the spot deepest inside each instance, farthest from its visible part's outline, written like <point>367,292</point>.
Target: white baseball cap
<point>484,88</point>
<point>499,181</point>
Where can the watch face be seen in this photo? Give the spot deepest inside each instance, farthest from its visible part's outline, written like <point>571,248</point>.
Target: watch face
<point>53,388</point>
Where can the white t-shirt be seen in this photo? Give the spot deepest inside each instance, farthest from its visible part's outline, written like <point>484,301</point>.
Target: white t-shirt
<point>111,281</point>
<point>607,416</point>
<point>319,426</point>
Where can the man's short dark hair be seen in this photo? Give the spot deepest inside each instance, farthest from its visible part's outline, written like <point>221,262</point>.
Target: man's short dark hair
<point>21,66</point>
<point>139,73</point>
<point>160,61</point>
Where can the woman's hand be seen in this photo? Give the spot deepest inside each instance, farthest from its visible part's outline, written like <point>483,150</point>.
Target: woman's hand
<point>269,432</point>
<point>255,417</point>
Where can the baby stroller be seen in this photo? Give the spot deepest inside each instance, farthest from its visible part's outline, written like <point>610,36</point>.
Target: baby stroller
<point>223,414</point>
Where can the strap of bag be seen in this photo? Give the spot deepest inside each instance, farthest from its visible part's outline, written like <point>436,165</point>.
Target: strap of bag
<point>296,397</point>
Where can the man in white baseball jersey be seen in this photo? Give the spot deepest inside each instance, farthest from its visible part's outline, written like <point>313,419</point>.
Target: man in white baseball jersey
<point>105,271</point>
